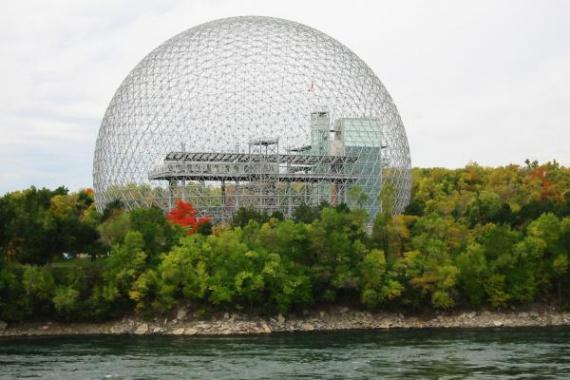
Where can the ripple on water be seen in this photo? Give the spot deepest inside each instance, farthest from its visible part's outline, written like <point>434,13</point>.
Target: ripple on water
<point>397,354</point>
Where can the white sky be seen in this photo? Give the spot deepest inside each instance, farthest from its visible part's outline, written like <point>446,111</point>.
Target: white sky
<point>485,81</point>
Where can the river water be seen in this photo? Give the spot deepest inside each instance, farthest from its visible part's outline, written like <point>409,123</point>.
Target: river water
<point>398,354</point>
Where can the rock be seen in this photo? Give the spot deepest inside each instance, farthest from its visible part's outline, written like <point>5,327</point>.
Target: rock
<point>179,331</point>
<point>343,310</point>
<point>322,314</point>
<point>497,323</point>
<point>120,328</point>
<point>181,314</point>
<point>280,319</point>
<point>3,325</point>
<point>190,331</point>
<point>226,316</point>
<point>307,327</point>
<point>264,328</point>
<point>141,329</point>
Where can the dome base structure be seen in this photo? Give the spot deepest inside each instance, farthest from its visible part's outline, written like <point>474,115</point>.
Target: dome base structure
<point>251,112</point>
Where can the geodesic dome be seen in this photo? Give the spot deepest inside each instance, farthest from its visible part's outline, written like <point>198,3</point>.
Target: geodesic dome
<point>251,111</point>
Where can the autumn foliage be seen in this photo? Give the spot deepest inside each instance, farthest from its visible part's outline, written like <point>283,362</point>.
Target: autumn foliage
<point>184,215</point>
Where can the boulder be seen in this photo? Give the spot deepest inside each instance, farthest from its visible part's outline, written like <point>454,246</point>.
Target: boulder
<point>120,328</point>
<point>141,329</point>
<point>179,331</point>
<point>307,327</point>
<point>190,331</point>
<point>3,325</point>
<point>264,328</point>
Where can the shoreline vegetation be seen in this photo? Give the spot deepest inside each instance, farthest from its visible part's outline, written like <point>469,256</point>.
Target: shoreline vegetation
<point>492,240</point>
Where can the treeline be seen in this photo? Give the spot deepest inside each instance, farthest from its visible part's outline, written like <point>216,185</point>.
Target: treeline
<point>470,238</point>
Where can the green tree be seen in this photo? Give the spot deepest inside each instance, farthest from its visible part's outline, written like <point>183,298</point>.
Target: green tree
<point>114,230</point>
<point>376,282</point>
<point>243,215</point>
<point>474,271</point>
<point>357,196</point>
<point>15,304</point>
<point>121,269</point>
<point>159,235</point>
<point>337,241</point>
<point>66,301</point>
<point>306,213</point>
<point>39,286</point>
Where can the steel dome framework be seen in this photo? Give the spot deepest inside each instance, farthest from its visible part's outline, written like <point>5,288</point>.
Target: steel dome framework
<point>251,111</point>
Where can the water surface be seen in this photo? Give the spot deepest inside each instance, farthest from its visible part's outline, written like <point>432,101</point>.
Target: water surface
<point>399,354</point>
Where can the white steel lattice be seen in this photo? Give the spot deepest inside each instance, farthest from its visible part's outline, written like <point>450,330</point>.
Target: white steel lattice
<point>282,113</point>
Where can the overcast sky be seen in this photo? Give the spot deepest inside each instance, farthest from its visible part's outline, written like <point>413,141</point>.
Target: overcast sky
<point>484,81</point>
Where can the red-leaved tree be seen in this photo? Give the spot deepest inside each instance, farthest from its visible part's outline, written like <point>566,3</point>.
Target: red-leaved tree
<point>184,215</point>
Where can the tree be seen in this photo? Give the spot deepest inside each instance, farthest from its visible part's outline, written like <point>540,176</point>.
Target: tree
<point>112,208</point>
<point>15,304</point>
<point>128,260</point>
<point>39,285</point>
<point>184,215</point>
<point>474,271</point>
<point>305,213</point>
<point>38,225</point>
<point>30,233</point>
<point>357,196</point>
<point>159,235</point>
<point>66,301</point>
<point>114,229</point>
<point>243,215</point>
<point>392,234</point>
<point>487,207</point>
<point>376,283</point>
<point>337,243</point>
<point>387,199</point>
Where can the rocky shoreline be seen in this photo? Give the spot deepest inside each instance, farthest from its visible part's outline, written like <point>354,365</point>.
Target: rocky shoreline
<point>337,318</point>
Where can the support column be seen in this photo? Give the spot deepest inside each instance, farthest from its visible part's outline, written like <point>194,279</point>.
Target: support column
<point>223,195</point>
<point>289,203</point>
<point>237,194</point>
<point>171,187</point>
<point>183,195</point>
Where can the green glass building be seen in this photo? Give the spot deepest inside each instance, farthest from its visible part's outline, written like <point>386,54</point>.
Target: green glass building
<point>362,137</point>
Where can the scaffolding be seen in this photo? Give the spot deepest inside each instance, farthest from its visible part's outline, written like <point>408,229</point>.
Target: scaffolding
<point>263,178</point>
